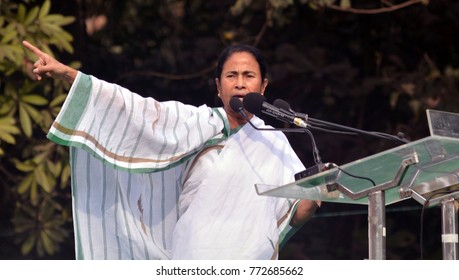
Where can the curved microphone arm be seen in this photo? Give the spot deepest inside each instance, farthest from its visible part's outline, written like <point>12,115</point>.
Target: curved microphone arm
<point>237,106</point>
<point>337,128</point>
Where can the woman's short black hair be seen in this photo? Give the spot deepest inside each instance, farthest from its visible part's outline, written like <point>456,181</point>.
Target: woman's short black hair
<point>228,51</point>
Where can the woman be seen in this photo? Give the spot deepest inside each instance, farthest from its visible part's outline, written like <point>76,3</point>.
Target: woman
<point>167,180</point>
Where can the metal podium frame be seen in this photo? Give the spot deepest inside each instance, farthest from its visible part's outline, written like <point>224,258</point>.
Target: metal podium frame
<point>426,170</point>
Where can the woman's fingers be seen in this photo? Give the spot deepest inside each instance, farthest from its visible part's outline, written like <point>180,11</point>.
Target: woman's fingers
<point>34,49</point>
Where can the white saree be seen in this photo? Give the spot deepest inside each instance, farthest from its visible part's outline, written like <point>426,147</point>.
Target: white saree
<point>130,157</point>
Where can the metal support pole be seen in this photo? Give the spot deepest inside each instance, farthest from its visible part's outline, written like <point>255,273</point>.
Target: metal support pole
<point>377,225</point>
<point>449,237</point>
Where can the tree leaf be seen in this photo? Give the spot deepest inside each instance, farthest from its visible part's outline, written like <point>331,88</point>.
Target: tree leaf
<point>34,193</point>
<point>21,13</point>
<point>58,19</point>
<point>47,242</point>
<point>8,129</point>
<point>26,166</point>
<point>31,16</point>
<point>55,235</point>
<point>32,112</point>
<point>42,179</point>
<point>28,244</point>
<point>65,175</point>
<point>25,184</point>
<point>54,168</point>
<point>7,138</point>
<point>58,100</point>
<point>44,9</point>
<point>34,99</point>
<point>25,121</point>
<point>8,36</point>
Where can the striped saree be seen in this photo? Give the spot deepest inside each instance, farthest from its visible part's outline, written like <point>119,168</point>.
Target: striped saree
<point>129,155</point>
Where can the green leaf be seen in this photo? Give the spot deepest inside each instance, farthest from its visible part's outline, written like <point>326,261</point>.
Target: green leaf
<point>34,193</point>
<point>7,138</point>
<point>33,113</point>
<point>65,175</point>
<point>25,184</point>
<point>7,106</point>
<point>21,13</point>
<point>8,129</point>
<point>25,121</point>
<point>28,244</point>
<point>44,9</point>
<point>35,100</point>
<point>56,235</point>
<point>62,43</point>
<point>8,36</point>
<point>47,242</point>
<point>58,19</point>
<point>54,168</point>
<point>31,16</point>
<point>58,100</point>
<point>26,166</point>
<point>42,179</point>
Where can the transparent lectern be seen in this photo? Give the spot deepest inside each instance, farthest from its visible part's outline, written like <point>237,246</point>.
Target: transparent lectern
<point>426,170</point>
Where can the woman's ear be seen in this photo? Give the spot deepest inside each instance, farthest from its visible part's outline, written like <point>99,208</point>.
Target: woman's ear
<point>263,86</point>
<point>217,83</point>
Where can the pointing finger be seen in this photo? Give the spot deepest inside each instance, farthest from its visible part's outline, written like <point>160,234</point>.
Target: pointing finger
<point>34,49</point>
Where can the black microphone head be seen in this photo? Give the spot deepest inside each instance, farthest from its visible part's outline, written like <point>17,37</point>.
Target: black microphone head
<point>236,104</point>
<point>282,104</point>
<point>253,102</point>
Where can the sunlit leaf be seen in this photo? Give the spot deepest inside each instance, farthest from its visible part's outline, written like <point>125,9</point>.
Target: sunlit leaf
<point>10,35</point>
<point>35,100</point>
<point>26,166</point>
<point>59,19</point>
<point>55,168</point>
<point>25,121</point>
<point>42,179</point>
<point>31,16</point>
<point>44,10</point>
<point>58,100</point>
<point>32,112</point>
<point>25,184</point>
<point>8,128</point>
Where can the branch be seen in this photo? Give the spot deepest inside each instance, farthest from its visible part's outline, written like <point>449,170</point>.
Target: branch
<point>379,10</point>
<point>165,75</point>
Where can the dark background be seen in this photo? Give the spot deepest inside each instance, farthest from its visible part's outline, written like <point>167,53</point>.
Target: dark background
<point>375,72</point>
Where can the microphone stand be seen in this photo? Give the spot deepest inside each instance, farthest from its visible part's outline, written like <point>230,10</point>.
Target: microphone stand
<point>337,128</point>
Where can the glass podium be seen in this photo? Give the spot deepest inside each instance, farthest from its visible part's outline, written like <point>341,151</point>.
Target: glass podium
<point>426,170</point>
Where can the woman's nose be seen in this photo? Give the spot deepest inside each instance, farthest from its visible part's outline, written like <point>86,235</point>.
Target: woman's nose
<point>240,84</point>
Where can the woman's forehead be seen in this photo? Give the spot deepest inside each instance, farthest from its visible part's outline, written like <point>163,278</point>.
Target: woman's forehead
<point>241,59</point>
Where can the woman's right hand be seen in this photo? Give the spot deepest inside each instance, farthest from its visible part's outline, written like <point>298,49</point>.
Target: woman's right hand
<point>50,67</point>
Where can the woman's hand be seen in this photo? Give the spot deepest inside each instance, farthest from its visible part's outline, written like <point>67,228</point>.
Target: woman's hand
<point>50,67</point>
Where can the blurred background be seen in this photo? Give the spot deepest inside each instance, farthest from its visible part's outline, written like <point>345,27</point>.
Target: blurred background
<point>369,64</point>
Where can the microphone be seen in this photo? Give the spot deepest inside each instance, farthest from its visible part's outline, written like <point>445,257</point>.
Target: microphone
<point>236,106</point>
<point>255,104</point>
<point>282,104</point>
<point>254,100</point>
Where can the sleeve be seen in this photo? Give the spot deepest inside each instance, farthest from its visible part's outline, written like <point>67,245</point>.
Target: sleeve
<point>131,132</point>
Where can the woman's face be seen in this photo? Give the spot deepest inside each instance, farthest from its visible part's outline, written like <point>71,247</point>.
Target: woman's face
<point>240,75</point>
